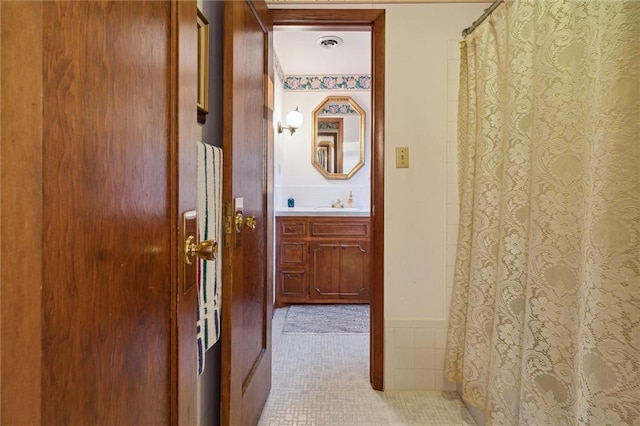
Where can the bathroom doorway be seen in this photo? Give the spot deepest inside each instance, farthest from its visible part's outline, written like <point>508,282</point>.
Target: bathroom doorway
<point>364,188</point>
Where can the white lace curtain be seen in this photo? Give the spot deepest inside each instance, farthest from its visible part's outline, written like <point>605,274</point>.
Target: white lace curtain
<point>544,324</point>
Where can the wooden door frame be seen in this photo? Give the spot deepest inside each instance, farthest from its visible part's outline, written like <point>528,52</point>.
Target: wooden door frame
<point>374,19</point>
<point>183,37</point>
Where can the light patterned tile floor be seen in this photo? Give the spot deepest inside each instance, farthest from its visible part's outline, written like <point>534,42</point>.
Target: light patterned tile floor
<point>323,379</point>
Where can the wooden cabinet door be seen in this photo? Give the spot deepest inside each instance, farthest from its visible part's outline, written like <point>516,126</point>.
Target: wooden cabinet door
<point>354,269</point>
<point>339,269</point>
<point>325,270</point>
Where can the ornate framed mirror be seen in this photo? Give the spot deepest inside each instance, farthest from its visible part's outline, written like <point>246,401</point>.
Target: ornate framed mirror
<point>338,137</point>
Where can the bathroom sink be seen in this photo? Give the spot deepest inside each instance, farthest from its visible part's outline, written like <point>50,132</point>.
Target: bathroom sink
<point>337,209</point>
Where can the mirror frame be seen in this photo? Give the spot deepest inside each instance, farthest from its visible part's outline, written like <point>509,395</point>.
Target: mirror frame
<point>338,138</point>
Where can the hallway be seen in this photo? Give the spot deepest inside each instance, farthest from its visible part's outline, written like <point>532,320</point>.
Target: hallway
<point>323,380</point>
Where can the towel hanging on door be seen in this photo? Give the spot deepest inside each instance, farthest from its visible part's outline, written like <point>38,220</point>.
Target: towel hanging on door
<point>209,228</point>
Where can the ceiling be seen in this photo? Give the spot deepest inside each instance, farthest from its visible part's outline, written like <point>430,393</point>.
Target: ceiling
<point>300,54</point>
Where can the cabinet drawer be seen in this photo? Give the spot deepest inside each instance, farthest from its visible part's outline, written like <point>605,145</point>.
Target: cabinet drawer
<point>292,228</point>
<point>340,229</point>
<point>293,283</point>
<point>293,252</point>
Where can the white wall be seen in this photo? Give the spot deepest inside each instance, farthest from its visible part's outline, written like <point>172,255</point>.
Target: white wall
<point>294,174</point>
<point>420,202</point>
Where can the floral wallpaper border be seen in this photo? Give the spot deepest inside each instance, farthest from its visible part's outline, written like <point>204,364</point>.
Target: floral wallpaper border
<point>327,82</point>
<point>338,109</point>
<point>328,126</point>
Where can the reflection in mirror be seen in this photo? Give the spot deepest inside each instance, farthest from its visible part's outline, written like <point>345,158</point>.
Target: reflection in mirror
<point>338,138</point>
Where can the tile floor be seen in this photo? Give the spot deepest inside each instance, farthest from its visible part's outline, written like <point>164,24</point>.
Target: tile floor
<point>323,379</point>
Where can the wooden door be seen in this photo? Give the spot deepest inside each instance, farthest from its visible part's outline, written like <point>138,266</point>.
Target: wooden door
<point>247,273</point>
<point>97,191</point>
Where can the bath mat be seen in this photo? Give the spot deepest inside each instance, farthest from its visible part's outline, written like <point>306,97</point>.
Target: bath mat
<point>329,319</point>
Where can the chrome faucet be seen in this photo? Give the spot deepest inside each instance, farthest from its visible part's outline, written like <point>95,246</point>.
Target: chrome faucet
<point>337,204</point>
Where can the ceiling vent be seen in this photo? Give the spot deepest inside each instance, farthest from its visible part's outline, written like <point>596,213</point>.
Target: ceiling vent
<point>329,42</point>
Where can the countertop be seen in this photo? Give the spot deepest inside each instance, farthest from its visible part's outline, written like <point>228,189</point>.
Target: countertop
<point>322,211</point>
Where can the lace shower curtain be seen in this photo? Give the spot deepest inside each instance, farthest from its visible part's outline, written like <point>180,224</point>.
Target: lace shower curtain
<point>544,324</point>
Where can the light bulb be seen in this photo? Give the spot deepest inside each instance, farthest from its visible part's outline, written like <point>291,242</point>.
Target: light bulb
<point>294,119</point>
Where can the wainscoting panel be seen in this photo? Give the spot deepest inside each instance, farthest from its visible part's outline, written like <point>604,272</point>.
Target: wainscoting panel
<point>414,354</point>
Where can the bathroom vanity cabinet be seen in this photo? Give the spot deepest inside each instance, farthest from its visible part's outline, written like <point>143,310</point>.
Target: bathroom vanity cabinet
<point>322,260</point>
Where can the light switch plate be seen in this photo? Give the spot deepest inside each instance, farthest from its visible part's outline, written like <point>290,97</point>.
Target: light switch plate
<point>402,157</point>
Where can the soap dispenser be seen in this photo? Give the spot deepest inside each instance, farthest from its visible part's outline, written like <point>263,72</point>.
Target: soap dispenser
<point>350,200</point>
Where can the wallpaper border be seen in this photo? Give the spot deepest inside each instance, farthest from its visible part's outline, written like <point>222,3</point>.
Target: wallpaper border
<point>293,83</point>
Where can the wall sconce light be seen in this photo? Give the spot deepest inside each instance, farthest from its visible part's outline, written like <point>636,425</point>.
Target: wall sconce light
<point>293,121</point>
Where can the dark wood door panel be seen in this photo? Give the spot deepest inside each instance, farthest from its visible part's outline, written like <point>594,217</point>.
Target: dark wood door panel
<point>248,183</point>
<point>107,277</point>
<point>21,246</point>
<point>106,129</point>
<point>247,130</point>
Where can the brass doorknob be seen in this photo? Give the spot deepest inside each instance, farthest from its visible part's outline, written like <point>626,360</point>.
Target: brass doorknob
<point>249,222</point>
<point>205,250</point>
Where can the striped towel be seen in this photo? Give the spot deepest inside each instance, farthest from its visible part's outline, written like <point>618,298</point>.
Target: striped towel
<point>209,227</point>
